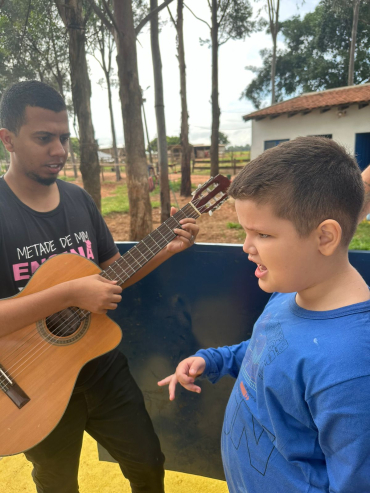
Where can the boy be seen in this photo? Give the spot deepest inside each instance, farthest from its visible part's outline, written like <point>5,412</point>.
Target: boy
<point>298,419</point>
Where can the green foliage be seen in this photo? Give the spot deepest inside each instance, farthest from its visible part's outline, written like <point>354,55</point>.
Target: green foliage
<point>316,53</point>
<point>223,138</point>
<point>33,44</point>
<point>170,141</point>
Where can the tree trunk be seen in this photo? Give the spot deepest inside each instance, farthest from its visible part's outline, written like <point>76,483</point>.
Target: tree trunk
<point>215,105</point>
<point>115,152</point>
<point>73,159</point>
<point>185,155</point>
<point>71,152</point>
<point>159,113</point>
<point>273,66</point>
<point>81,94</point>
<point>131,99</point>
<point>351,67</point>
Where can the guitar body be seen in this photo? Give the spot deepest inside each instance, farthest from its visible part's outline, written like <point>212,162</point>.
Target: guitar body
<point>45,366</point>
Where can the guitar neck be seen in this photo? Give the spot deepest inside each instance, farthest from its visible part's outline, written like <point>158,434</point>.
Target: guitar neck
<point>133,260</point>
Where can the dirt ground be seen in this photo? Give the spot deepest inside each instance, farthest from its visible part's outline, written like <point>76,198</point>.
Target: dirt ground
<point>213,229</point>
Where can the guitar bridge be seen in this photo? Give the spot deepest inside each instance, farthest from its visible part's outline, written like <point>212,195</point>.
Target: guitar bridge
<point>13,390</point>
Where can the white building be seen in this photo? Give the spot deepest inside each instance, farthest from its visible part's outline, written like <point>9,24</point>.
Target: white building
<point>342,114</point>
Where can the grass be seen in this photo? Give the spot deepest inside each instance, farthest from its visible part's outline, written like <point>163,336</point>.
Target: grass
<point>361,239</point>
<point>118,202</point>
<point>66,178</point>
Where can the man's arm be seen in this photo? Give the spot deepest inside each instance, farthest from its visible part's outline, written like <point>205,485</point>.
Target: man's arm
<point>92,293</point>
<point>366,179</point>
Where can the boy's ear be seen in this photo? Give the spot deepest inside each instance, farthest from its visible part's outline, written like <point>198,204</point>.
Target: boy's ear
<point>329,234</point>
<point>7,138</point>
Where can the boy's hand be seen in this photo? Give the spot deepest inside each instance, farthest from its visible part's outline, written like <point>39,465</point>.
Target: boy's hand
<point>185,236</point>
<point>186,373</point>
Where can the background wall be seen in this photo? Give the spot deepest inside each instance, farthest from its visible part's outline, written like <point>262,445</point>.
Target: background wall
<point>343,129</point>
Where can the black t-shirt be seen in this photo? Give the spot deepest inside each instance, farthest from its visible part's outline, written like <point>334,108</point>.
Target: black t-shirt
<point>28,238</point>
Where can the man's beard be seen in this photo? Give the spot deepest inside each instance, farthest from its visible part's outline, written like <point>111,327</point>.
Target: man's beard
<point>43,181</point>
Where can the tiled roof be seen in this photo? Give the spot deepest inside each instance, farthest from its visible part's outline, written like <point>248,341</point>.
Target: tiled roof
<point>342,96</point>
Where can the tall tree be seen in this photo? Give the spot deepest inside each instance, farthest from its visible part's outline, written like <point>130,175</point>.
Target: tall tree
<point>159,113</point>
<point>230,19</point>
<point>316,53</point>
<point>351,66</point>
<point>185,190</point>
<point>75,19</point>
<point>120,20</point>
<point>273,7</point>
<point>102,42</point>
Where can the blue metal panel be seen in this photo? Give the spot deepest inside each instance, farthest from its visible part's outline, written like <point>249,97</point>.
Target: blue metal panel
<point>362,149</point>
<point>206,296</point>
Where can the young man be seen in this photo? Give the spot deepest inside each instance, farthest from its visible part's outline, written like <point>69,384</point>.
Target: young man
<point>41,216</point>
<point>298,419</point>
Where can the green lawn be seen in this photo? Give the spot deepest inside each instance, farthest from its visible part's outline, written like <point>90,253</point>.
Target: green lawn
<point>119,201</point>
<point>360,241</point>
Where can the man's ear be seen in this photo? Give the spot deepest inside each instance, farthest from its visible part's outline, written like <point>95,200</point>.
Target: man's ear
<point>7,138</point>
<point>329,235</point>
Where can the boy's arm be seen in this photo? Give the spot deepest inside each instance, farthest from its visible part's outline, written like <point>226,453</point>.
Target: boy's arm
<point>342,416</point>
<point>211,363</point>
<point>223,361</point>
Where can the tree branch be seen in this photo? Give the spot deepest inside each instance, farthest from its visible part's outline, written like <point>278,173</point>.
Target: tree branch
<point>110,15</point>
<point>205,22</point>
<point>224,13</point>
<point>146,19</point>
<point>172,18</point>
<point>102,17</point>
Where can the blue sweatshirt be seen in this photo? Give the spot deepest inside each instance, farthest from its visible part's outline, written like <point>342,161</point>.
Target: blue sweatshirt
<point>298,418</point>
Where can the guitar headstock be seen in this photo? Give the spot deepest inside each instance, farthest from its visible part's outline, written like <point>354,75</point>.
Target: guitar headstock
<point>209,196</point>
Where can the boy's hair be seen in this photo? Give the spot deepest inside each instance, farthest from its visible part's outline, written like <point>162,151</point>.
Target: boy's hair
<point>28,93</point>
<point>306,180</point>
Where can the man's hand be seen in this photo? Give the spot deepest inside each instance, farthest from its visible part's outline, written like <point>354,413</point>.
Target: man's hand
<point>186,373</point>
<point>185,236</point>
<point>95,294</point>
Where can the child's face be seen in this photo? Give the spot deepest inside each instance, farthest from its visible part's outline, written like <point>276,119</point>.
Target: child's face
<point>285,261</point>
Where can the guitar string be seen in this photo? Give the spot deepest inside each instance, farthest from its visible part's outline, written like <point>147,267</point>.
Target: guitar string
<point>117,262</point>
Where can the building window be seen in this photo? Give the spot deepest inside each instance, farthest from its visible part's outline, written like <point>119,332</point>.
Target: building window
<point>273,143</point>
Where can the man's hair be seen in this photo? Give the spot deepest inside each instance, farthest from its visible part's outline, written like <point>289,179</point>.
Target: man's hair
<point>17,97</point>
<point>306,180</point>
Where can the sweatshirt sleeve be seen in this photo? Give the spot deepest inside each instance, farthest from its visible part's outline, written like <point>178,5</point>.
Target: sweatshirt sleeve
<point>342,416</point>
<point>222,361</point>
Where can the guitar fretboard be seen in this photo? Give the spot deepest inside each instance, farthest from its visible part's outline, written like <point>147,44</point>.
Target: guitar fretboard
<point>133,260</point>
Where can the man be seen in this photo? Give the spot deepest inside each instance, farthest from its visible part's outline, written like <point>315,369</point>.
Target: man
<point>41,217</point>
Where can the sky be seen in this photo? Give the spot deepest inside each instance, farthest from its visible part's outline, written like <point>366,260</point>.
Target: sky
<point>234,56</point>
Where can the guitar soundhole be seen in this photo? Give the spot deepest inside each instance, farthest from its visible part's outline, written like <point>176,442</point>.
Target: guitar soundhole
<point>64,323</point>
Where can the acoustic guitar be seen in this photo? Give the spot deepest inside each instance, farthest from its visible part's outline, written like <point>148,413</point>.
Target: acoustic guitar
<point>34,392</point>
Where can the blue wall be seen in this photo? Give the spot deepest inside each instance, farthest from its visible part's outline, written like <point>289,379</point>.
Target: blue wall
<point>206,296</point>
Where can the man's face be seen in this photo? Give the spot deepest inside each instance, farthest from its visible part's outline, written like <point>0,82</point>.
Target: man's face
<point>40,148</point>
<point>285,261</point>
